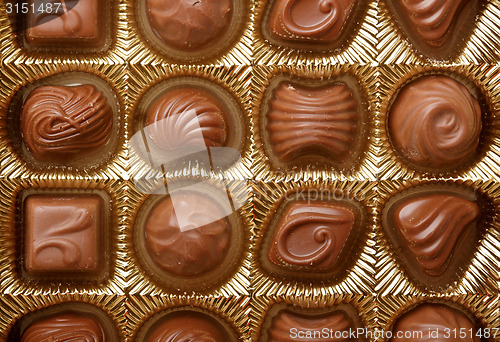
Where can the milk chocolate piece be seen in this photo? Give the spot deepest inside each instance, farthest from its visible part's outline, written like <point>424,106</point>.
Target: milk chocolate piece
<point>434,232</point>
<point>435,124</point>
<point>62,234</point>
<point>310,20</point>
<point>65,327</point>
<point>186,235</point>
<point>67,25</point>
<point>311,124</point>
<point>186,117</point>
<point>311,235</point>
<point>433,318</point>
<point>288,323</point>
<point>63,124</point>
<point>438,28</point>
<point>188,25</point>
<point>187,326</point>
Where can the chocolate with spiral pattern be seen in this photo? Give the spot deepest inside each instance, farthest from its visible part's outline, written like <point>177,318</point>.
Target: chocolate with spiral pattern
<point>435,123</point>
<point>66,123</point>
<point>65,327</point>
<point>310,20</point>
<point>440,319</point>
<point>311,235</point>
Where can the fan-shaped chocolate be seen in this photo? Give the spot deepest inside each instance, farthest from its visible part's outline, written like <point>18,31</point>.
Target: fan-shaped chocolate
<point>189,24</point>
<point>186,235</point>
<point>64,124</point>
<point>311,124</point>
<point>435,123</point>
<point>434,322</point>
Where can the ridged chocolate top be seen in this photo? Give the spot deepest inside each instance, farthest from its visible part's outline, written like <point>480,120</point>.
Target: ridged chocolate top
<point>435,123</point>
<point>66,123</point>
<point>185,234</point>
<point>189,24</point>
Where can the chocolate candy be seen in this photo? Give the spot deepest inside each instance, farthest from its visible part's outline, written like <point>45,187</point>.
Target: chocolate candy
<point>63,235</point>
<point>64,124</point>
<point>187,325</point>
<point>187,234</point>
<point>310,21</point>
<point>81,26</point>
<point>186,117</point>
<point>189,24</point>
<point>313,124</point>
<point>437,319</point>
<point>435,124</point>
<point>69,326</point>
<point>436,27</point>
<point>434,231</point>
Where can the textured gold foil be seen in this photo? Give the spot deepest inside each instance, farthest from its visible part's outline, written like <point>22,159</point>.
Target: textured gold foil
<point>481,275</point>
<point>235,310</point>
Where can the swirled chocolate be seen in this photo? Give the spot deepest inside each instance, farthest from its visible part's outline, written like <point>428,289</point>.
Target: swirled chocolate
<point>436,27</point>
<point>57,24</point>
<point>65,327</point>
<point>306,124</point>
<point>64,124</point>
<point>186,117</point>
<point>189,24</point>
<point>310,20</point>
<point>311,235</point>
<point>187,234</point>
<point>289,325</point>
<point>62,234</point>
<point>187,326</point>
<point>433,322</point>
<point>434,232</point>
<point>435,123</point>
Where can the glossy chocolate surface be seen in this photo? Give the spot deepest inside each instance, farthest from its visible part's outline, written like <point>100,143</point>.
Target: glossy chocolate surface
<point>435,123</point>
<point>306,124</point>
<point>186,117</point>
<point>189,24</point>
<point>436,27</point>
<point>62,233</point>
<point>311,235</point>
<point>310,20</point>
<point>63,124</point>
<point>70,27</point>
<point>65,327</point>
<point>186,236</point>
<point>187,326</point>
<point>435,232</point>
<point>441,319</point>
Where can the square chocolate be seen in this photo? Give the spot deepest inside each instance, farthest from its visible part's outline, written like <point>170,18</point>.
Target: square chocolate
<point>66,24</point>
<point>62,233</point>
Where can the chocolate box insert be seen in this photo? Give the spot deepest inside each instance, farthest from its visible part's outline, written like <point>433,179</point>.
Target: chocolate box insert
<point>64,235</point>
<point>306,121</point>
<point>435,230</point>
<point>65,120</point>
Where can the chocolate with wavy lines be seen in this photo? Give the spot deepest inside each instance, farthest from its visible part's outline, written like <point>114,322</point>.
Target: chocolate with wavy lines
<point>310,20</point>
<point>65,124</point>
<point>433,21</point>
<point>189,24</point>
<point>435,123</point>
<point>439,318</point>
<point>65,327</point>
<point>311,325</point>
<point>187,235</point>
<point>434,226</point>
<point>61,233</point>
<point>187,325</point>
<point>307,124</point>
<point>186,117</point>
<point>311,235</point>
